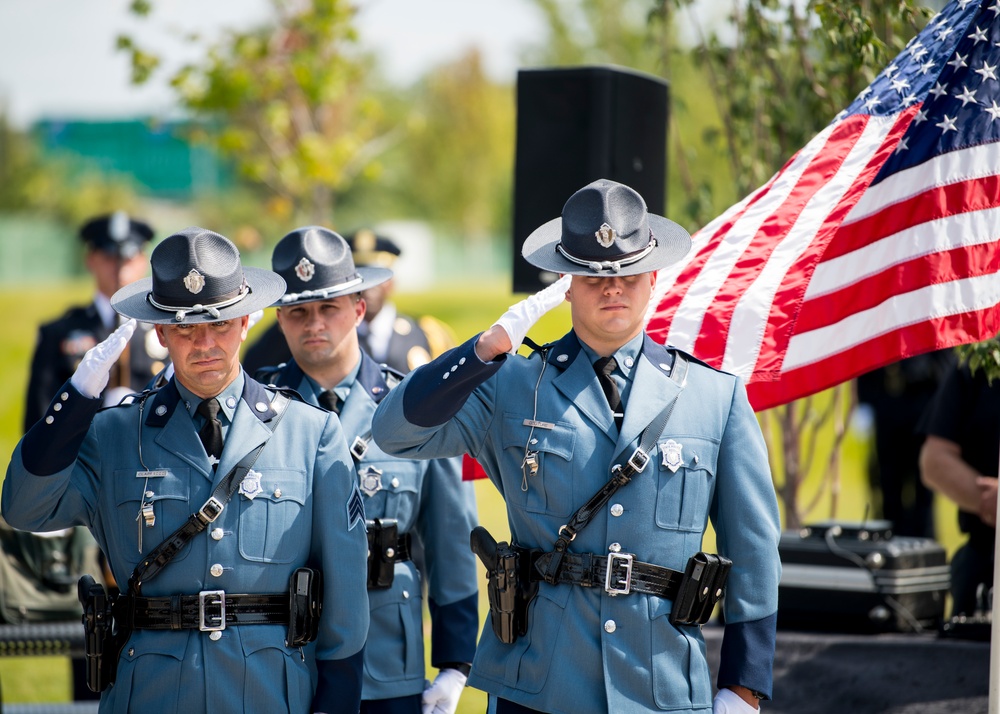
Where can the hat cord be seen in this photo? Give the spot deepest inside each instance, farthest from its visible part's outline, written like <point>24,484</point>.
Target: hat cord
<point>212,309</point>
<point>612,265</point>
<point>321,292</point>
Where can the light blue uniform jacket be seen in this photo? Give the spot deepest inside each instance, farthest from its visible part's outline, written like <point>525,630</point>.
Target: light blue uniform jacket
<point>586,651</point>
<point>309,514</point>
<point>429,501</point>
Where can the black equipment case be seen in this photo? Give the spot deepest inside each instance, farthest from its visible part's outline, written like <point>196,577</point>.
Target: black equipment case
<point>859,577</point>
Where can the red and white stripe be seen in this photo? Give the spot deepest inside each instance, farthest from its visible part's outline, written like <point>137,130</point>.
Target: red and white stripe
<point>816,278</point>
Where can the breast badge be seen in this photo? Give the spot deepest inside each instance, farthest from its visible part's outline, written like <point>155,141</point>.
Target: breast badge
<point>371,481</point>
<point>672,458</point>
<point>250,485</point>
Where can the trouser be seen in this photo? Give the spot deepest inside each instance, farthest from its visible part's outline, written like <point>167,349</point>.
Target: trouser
<point>971,567</point>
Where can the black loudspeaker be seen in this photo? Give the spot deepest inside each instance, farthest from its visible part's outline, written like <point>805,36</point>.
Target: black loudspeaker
<point>576,125</point>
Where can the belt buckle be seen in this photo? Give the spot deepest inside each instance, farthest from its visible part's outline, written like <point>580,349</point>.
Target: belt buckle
<point>209,511</point>
<point>203,601</point>
<point>614,585</point>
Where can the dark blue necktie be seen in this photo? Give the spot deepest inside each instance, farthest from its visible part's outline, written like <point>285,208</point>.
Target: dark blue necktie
<point>604,367</point>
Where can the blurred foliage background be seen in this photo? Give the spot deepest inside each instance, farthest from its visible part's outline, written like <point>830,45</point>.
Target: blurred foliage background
<point>292,123</point>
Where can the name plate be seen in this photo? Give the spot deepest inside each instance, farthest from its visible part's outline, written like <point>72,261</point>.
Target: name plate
<point>158,473</point>
<point>539,424</point>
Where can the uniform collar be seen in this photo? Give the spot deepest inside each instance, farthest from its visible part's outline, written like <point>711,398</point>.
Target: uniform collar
<point>251,391</point>
<point>626,356</point>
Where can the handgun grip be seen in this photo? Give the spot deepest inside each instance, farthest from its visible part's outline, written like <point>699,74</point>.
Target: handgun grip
<point>484,546</point>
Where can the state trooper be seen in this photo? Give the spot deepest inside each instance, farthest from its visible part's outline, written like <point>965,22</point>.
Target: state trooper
<point>115,246</point>
<point>610,479</point>
<point>266,610</point>
<point>408,503</point>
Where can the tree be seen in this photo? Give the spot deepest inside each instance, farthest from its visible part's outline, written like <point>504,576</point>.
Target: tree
<point>286,102</point>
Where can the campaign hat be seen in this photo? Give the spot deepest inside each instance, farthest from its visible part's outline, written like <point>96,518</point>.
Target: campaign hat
<point>117,234</point>
<point>605,230</point>
<point>197,277</point>
<point>317,264</point>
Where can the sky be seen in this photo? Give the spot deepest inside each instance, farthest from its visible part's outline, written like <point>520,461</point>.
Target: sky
<point>57,57</point>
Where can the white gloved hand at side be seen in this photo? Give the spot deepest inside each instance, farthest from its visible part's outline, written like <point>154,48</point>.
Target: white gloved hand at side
<point>520,317</point>
<point>91,377</point>
<point>442,696</point>
<point>729,702</point>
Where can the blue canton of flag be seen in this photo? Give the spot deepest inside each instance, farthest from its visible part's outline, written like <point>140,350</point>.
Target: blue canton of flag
<point>355,509</point>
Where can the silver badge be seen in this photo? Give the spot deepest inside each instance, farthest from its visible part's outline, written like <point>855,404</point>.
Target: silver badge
<point>250,485</point>
<point>605,235</point>
<point>305,270</point>
<point>194,281</point>
<point>672,455</point>
<point>371,481</point>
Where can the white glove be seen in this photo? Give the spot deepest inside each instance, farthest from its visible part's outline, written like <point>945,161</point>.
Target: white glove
<point>91,377</point>
<point>442,696</point>
<point>254,318</point>
<point>520,317</point>
<point>729,702</point>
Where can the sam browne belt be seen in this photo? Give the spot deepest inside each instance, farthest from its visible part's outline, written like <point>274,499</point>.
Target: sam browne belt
<point>208,611</point>
<point>617,573</point>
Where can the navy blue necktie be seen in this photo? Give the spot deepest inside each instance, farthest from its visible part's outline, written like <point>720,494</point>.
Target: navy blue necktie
<point>604,367</point>
<point>330,401</point>
<point>211,431</point>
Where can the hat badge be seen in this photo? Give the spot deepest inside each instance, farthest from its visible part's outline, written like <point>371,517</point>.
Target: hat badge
<point>194,281</point>
<point>605,235</point>
<point>305,270</point>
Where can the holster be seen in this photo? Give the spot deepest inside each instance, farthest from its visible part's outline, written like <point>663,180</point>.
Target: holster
<point>105,633</point>
<point>305,605</point>
<point>701,588</point>
<point>509,586</point>
<point>383,534</point>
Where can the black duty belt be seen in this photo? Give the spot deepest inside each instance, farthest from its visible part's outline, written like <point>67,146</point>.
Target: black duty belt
<point>626,574</point>
<point>208,611</point>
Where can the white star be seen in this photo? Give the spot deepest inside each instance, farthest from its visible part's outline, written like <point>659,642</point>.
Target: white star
<point>947,124</point>
<point>920,116</point>
<point>978,36</point>
<point>993,111</point>
<point>899,85</point>
<point>865,92</point>
<point>872,102</point>
<point>943,33</point>
<point>891,70</point>
<point>995,7</point>
<point>963,3</point>
<point>966,96</point>
<point>987,71</point>
<point>939,90</point>
<point>919,51</point>
<point>959,61</point>
<point>910,99</point>
<point>926,67</point>
<point>901,146</point>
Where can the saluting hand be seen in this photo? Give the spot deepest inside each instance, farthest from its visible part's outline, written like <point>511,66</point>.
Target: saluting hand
<point>91,377</point>
<point>507,333</point>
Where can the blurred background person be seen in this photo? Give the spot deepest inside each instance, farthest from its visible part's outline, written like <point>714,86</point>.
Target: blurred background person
<point>115,255</point>
<point>897,396</point>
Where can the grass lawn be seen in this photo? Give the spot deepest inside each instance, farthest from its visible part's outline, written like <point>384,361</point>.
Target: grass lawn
<point>468,308</point>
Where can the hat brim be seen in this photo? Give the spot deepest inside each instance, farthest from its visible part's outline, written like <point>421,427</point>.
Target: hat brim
<point>265,287</point>
<point>370,278</point>
<point>672,244</point>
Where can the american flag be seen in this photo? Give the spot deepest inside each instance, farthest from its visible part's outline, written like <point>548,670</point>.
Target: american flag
<point>875,242</point>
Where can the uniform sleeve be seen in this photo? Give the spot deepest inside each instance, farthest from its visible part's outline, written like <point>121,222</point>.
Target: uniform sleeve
<point>340,547</point>
<point>447,517</point>
<point>42,383</point>
<point>744,512</point>
<point>452,392</point>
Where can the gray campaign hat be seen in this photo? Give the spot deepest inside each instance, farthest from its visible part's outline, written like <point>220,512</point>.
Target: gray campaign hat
<point>197,277</point>
<point>606,230</point>
<point>317,264</point>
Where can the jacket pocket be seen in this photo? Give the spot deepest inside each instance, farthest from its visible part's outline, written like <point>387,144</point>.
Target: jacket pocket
<point>269,530</point>
<point>171,498</point>
<point>549,490</point>
<point>682,495</point>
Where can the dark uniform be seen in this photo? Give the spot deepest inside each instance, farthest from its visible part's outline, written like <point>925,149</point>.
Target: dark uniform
<point>62,343</point>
